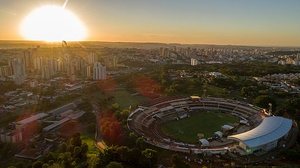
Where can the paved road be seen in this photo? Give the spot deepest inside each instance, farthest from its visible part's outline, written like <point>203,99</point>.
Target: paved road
<point>100,144</point>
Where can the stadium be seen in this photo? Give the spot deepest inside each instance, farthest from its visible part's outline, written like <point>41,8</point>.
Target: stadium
<point>209,126</point>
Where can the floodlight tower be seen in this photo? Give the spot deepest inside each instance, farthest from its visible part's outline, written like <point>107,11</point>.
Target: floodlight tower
<point>204,93</point>
<point>270,108</point>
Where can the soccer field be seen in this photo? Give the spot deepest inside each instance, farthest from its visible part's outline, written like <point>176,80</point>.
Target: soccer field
<point>186,130</point>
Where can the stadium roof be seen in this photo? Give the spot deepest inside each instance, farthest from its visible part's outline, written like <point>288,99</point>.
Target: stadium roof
<point>166,108</point>
<point>32,118</point>
<point>56,124</point>
<point>270,129</point>
<point>63,108</point>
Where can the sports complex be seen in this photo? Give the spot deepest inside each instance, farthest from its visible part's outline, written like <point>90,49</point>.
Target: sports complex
<point>210,126</point>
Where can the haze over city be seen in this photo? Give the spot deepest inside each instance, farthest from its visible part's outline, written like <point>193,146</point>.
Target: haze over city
<point>230,22</point>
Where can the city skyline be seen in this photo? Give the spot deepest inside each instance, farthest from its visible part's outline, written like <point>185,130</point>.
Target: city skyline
<point>255,23</point>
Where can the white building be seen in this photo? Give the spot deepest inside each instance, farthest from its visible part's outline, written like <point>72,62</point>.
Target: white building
<point>19,74</point>
<point>216,74</point>
<point>99,71</point>
<point>194,62</point>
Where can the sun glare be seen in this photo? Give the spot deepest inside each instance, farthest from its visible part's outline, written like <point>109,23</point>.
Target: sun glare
<point>52,23</point>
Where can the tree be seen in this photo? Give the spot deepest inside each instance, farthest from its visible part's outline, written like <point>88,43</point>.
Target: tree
<point>172,89</point>
<point>297,81</point>
<point>45,165</point>
<point>111,128</point>
<point>2,100</point>
<point>131,139</point>
<point>115,107</point>
<point>77,152</point>
<point>178,163</point>
<point>84,148</point>
<point>292,154</point>
<point>48,157</point>
<point>264,100</point>
<point>6,150</point>
<point>7,86</point>
<point>150,156</point>
<point>250,91</point>
<point>123,152</point>
<point>75,140</point>
<point>37,164</point>
<point>114,165</point>
<point>140,143</point>
<point>125,113</point>
<point>20,165</point>
<point>291,107</point>
<point>56,165</point>
<point>134,155</point>
<point>93,161</point>
<point>62,147</point>
<point>224,82</point>
<point>91,128</point>
<point>108,155</point>
<point>65,159</point>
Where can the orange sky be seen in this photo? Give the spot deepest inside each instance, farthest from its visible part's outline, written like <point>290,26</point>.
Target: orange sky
<point>256,22</point>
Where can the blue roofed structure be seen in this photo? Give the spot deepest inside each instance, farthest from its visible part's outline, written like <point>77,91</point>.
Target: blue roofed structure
<point>265,136</point>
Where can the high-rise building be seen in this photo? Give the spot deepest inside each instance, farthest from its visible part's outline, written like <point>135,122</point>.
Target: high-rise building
<point>18,67</point>
<point>5,71</point>
<point>28,60</point>
<point>91,58</point>
<point>46,74</point>
<point>49,68</point>
<point>164,52</point>
<point>89,72</point>
<point>37,63</point>
<point>115,61</point>
<point>187,52</point>
<point>297,59</point>
<point>194,61</point>
<point>99,71</point>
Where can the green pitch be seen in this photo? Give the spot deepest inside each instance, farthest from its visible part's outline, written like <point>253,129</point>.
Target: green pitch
<point>186,130</point>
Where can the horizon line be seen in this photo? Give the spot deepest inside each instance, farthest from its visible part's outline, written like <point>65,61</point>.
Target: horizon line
<point>167,43</point>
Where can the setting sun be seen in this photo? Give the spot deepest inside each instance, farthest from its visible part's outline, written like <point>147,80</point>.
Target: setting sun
<point>52,23</point>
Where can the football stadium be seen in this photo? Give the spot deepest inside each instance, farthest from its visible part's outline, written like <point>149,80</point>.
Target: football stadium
<point>210,126</point>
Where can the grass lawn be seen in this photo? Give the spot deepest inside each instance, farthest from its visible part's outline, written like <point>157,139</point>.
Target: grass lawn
<point>186,130</point>
<point>124,98</point>
<point>216,91</point>
<point>91,144</point>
